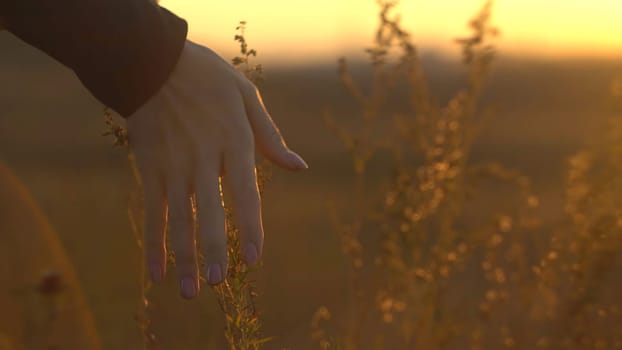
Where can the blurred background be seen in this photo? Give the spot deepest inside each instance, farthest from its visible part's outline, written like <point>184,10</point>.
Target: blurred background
<point>550,87</point>
<point>295,33</point>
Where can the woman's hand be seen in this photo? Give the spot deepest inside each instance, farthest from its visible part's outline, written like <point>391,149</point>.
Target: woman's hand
<point>203,124</point>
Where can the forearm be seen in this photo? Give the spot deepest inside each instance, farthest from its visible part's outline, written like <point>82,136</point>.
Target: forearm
<point>122,50</point>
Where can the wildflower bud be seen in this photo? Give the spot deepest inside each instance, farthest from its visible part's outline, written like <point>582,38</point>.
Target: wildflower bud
<point>50,283</point>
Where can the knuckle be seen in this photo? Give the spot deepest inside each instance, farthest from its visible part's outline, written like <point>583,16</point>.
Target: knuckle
<point>247,139</point>
<point>179,219</point>
<point>243,146</point>
<point>210,205</point>
<point>237,132</point>
<point>154,240</point>
<point>248,194</point>
<point>185,264</point>
<point>155,252</point>
<point>214,239</point>
<point>215,255</point>
<point>185,258</point>
<point>154,223</point>
<point>178,201</point>
<point>250,230</point>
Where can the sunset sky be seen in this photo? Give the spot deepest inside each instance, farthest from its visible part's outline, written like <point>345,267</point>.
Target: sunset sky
<point>310,30</point>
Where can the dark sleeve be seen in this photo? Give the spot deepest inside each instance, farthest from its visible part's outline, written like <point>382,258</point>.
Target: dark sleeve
<point>122,50</point>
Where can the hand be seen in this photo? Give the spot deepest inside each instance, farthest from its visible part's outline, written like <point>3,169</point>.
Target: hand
<point>203,124</point>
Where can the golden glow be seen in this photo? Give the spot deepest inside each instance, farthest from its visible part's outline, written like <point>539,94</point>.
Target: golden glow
<point>295,30</point>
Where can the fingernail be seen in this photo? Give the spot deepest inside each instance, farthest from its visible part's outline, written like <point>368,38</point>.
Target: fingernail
<point>156,272</point>
<point>188,288</point>
<point>214,274</point>
<point>250,254</point>
<point>297,161</point>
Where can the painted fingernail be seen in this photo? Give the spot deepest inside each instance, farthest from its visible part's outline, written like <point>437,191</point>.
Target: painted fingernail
<point>297,161</point>
<point>250,254</point>
<point>156,272</point>
<point>214,274</point>
<point>188,288</point>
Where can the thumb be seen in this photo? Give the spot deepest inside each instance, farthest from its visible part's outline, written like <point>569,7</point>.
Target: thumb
<point>268,138</point>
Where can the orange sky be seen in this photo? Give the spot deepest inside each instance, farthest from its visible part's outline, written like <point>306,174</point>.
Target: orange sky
<point>302,30</point>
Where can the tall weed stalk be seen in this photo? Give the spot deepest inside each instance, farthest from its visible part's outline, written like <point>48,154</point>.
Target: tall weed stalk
<point>411,238</point>
<point>444,264</point>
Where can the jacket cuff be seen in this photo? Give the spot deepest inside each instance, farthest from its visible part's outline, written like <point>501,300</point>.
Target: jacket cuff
<point>123,51</point>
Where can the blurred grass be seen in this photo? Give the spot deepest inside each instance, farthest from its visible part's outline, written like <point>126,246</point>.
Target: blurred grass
<point>50,136</point>
<point>42,302</point>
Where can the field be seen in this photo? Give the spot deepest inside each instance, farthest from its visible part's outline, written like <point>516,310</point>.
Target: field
<point>545,111</point>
